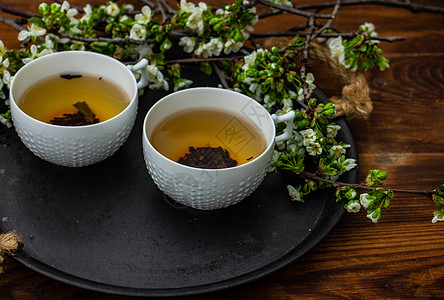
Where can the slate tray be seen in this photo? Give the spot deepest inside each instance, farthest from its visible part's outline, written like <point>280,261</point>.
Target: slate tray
<point>108,228</point>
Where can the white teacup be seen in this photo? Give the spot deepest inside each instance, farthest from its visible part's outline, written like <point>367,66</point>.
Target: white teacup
<point>76,146</point>
<point>211,188</point>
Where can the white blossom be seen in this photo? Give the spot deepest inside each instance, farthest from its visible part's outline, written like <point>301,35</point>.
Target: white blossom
<point>145,16</point>
<point>70,12</point>
<point>195,20</point>
<point>188,43</point>
<point>288,105</point>
<point>183,84</point>
<point>251,59</point>
<point>332,130</point>
<point>87,13</point>
<point>268,101</point>
<point>370,29</point>
<point>314,149</point>
<point>112,9</point>
<point>274,159</point>
<point>337,49</point>
<point>337,150</point>
<point>35,53</point>
<point>300,95</point>
<point>138,32</point>
<point>232,46</point>
<point>309,136</point>
<point>353,207</point>
<point>213,47</point>
<point>216,46</point>
<point>436,219</point>
<point>371,217</point>
<point>6,76</point>
<point>298,138</point>
<point>309,79</point>
<point>143,50</point>
<point>349,164</point>
<point>5,121</point>
<point>33,31</point>
<point>203,50</point>
<point>155,78</point>
<point>364,201</point>
<point>79,46</point>
<point>294,193</point>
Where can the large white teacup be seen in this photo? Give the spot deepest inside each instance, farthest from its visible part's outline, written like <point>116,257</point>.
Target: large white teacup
<point>211,188</point>
<point>76,146</point>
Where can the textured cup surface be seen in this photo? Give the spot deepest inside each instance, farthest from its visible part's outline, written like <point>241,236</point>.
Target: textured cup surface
<point>207,188</point>
<point>80,145</point>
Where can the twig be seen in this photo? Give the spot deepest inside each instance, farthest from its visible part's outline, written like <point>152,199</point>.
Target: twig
<point>311,176</point>
<point>162,12</point>
<point>305,54</point>
<point>220,74</point>
<point>168,7</point>
<point>18,12</point>
<point>107,40</point>
<point>149,3</point>
<point>324,35</point>
<point>293,10</point>
<point>328,24</point>
<point>413,7</point>
<point>11,22</point>
<point>194,59</point>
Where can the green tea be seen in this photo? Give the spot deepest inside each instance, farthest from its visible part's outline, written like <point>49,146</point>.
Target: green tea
<point>55,96</point>
<point>208,127</point>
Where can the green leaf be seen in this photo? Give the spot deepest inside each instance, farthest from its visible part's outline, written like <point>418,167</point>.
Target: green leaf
<point>37,21</point>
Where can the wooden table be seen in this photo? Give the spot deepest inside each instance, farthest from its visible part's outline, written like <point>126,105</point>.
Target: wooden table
<point>401,256</point>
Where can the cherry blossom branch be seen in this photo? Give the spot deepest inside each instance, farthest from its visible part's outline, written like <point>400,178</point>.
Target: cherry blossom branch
<point>107,40</point>
<point>412,7</point>
<point>194,59</point>
<point>324,35</point>
<point>311,176</point>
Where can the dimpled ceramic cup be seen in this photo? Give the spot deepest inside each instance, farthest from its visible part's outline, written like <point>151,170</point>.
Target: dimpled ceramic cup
<point>209,189</point>
<point>76,146</point>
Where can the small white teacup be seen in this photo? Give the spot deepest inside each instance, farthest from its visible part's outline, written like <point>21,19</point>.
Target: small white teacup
<point>209,189</point>
<point>76,146</point>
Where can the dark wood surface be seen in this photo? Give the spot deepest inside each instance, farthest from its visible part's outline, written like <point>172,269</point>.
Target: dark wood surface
<point>401,257</point>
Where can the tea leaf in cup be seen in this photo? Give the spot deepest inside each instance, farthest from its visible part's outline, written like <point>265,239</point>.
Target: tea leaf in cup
<point>84,116</point>
<point>86,112</point>
<point>208,158</point>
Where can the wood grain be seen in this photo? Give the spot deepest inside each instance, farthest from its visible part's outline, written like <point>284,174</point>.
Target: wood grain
<point>401,257</point>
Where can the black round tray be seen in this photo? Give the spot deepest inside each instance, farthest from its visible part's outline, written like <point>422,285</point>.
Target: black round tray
<point>108,228</point>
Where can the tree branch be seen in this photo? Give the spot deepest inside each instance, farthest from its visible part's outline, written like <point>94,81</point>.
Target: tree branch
<point>107,40</point>
<point>413,7</point>
<point>293,10</point>
<point>11,22</point>
<point>18,12</point>
<point>311,176</point>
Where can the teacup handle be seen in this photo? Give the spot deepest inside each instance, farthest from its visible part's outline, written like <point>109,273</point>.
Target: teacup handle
<point>288,119</point>
<point>143,82</point>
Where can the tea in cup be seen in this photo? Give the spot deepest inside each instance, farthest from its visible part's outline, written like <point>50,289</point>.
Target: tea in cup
<point>75,108</point>
<point>208,148</point>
